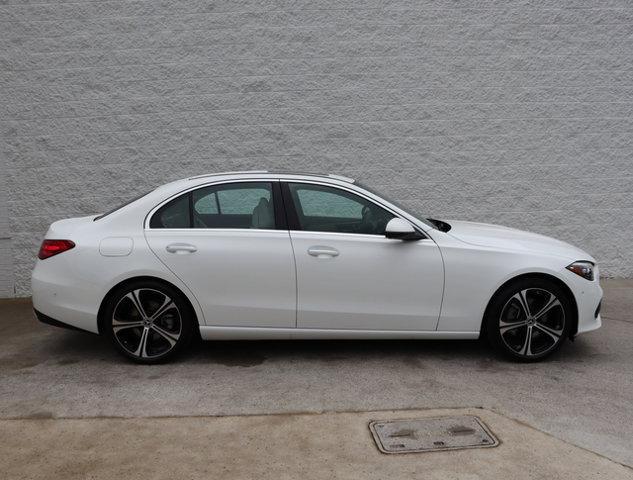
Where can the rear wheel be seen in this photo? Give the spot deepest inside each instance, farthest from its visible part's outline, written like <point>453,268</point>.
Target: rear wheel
<point>148,321</point>
<point>529,319</point>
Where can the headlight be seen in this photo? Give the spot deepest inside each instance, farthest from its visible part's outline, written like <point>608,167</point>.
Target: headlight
<point>584,269</point>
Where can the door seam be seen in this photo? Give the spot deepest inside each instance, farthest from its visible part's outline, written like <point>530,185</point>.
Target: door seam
<point>294,255</point>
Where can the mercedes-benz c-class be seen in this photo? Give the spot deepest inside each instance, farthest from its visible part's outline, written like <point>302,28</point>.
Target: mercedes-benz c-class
<point>260,255</point>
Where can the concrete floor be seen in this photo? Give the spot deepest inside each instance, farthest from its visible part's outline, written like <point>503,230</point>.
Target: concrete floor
<point>583,395</point>
<point>279,447</point>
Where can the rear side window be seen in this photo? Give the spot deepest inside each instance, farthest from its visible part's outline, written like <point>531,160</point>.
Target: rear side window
<point>232,205</point>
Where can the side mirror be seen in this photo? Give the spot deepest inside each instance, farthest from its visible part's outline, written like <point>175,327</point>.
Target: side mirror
<point>400,229</point>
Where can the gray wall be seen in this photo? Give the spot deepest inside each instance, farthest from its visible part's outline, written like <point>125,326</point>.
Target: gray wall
<point>514,112</point>
<point>6,260</point>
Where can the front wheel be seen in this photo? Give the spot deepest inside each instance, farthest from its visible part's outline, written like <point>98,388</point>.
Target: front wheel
<point>148,322</point>
<point>529,319</point>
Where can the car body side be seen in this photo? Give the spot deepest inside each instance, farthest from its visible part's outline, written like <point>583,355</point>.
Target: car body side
<point>72,287</point>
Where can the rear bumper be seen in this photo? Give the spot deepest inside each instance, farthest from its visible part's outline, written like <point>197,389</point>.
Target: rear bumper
<point>60,299</point>
<point>56,323</point>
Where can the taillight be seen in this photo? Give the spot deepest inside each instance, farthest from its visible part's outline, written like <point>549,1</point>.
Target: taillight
<point>50,248</point>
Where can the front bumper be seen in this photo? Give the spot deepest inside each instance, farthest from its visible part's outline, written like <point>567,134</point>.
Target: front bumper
<point>588,296</point>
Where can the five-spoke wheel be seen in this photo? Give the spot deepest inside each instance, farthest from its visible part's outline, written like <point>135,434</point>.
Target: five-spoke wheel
<point>529,319</point>
<point>148,322</point>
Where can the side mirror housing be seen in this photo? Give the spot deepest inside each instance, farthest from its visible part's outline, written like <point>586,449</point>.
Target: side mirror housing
<point>400,229</point>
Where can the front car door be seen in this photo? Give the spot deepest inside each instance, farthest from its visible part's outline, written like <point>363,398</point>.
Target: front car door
<point>349,275</point>
<point>229,244</point>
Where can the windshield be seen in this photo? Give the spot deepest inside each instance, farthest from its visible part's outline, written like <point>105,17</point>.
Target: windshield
<point>440,225</point>
<point>138,197</point>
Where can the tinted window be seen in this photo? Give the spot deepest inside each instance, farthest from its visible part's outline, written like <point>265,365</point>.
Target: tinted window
<point>206,204</point>
<point>232,205</point>
<point>328,209</point>
<point>175,214</point>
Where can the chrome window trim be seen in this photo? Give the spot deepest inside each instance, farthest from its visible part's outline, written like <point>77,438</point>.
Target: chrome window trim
<point>361,194</point>
<point>288,178</point>
<point>147,220</point>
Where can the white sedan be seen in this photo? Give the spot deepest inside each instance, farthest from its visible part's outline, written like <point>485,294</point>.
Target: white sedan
<point>259,255</point>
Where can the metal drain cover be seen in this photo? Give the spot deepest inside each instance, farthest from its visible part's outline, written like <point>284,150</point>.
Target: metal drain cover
<point>432,434</point>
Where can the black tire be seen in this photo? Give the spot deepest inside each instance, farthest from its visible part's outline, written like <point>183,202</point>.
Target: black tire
<point>532,333</point>
<point>162,327</point>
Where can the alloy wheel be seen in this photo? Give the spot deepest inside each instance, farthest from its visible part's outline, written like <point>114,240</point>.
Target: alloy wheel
<point>147,323</point>
<point>532,322</point>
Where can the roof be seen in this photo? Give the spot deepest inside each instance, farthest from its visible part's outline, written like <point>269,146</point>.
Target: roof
<point>307,174</point>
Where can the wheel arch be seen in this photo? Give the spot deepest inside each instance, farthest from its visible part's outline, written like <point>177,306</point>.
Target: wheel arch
<point>542,276</point>
<point>108,296</point>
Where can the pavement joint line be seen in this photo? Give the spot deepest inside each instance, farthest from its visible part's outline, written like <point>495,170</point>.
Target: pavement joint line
<point>270,414</point>
<point>611,319</point>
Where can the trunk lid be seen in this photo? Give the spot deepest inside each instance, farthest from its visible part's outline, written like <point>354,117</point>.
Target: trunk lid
<point>64,229</point>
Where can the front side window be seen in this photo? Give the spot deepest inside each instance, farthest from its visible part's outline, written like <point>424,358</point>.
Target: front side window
<point>231,205</point>
<point>327,209</point>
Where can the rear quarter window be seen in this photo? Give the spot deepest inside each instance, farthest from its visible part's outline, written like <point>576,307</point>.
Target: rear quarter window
<point>174,214</point>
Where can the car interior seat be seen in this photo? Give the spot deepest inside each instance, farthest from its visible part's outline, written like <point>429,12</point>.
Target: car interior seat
<point>263,215</point>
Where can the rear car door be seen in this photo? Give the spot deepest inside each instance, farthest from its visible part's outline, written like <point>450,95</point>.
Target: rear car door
<point>229,244</point>
<point>349,275</point>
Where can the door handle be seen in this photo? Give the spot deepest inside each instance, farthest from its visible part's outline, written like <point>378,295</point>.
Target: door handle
<point>180,248</point>
<point>323,252</point>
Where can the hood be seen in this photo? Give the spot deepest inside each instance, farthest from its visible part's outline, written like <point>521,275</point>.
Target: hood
<point>496,236</point>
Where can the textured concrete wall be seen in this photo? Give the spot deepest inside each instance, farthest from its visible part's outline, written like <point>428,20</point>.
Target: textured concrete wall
<point>515,112</point>
<point>6,260</point>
